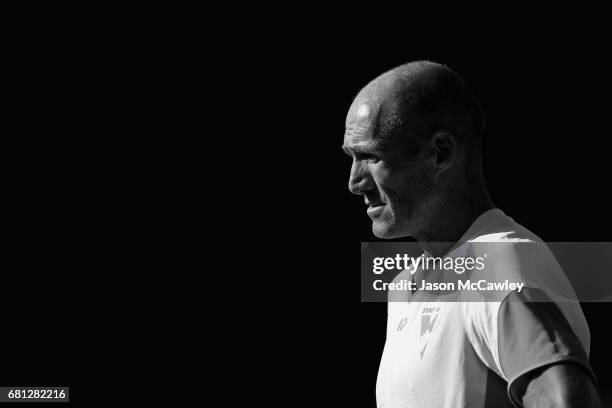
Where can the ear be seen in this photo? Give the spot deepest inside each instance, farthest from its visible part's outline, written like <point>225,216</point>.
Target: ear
<point>445,150</point>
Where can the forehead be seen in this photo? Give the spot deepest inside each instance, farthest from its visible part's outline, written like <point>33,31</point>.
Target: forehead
<point>371,121</point>
<point>360,121</point>
<point>376,128</point>
<point>359,133</point>
<point>363,110</point>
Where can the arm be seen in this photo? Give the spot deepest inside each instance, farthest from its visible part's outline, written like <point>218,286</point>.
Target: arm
<point>545,362</point>
<point>563,385</point>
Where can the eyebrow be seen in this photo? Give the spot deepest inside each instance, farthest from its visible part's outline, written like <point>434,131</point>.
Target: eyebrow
<point>358,150</point>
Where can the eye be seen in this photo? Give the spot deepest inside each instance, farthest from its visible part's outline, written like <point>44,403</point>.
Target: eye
<point>369,157</point>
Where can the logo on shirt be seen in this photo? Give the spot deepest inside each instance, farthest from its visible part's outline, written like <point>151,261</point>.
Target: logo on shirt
<point>429,317</point>
<point>402,324</point>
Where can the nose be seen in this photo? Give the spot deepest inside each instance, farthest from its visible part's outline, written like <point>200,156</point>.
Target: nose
<point>360,179</point>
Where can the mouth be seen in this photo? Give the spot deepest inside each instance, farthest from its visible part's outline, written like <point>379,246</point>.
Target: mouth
<point>374,209</point>
<point>373,203</point>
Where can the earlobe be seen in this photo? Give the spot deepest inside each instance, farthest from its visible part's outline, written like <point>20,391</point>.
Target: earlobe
<point>445,150</point>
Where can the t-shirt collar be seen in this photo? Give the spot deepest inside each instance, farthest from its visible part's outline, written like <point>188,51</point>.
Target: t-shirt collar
<point>480,224</point>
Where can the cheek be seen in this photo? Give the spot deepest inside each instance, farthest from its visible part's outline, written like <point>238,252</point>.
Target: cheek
<point>407,188</point>
<point>389,178</point>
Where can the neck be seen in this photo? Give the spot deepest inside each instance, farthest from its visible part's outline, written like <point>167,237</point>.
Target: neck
<point>456,216</point>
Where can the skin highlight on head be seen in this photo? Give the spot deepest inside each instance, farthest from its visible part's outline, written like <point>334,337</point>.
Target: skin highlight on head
<point>414,136</point>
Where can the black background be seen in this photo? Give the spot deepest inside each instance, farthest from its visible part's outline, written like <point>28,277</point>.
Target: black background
<point>545,160</point>
<point>545,156</point>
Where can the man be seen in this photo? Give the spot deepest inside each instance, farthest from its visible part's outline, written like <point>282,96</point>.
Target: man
<point>415,137</point>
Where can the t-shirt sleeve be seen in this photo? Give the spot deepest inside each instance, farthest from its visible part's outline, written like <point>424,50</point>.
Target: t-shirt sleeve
<point>532,333</point>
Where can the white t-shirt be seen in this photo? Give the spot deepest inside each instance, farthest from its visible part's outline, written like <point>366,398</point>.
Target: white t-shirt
<point>469,352</point>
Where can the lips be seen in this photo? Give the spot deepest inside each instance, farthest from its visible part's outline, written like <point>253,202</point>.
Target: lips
<point>375,209</point>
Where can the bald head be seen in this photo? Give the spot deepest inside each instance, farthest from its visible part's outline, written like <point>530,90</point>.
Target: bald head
<point>418,99</point>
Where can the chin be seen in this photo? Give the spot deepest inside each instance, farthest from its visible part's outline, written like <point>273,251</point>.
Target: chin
<point>386,231</point>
